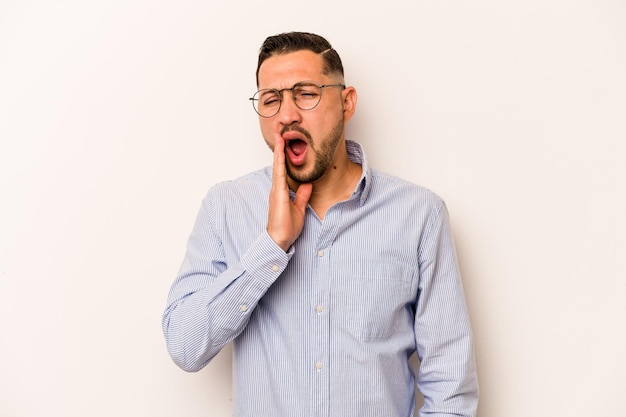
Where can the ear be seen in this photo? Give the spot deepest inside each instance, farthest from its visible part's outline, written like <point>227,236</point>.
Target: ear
<point>349,102</point>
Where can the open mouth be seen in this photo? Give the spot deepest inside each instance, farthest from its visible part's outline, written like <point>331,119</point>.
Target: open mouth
<point>297,142</point>
<point>297,146</point>
<point>295,151</point>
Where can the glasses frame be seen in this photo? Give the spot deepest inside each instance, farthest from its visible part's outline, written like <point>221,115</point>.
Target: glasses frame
<point>253,99</point>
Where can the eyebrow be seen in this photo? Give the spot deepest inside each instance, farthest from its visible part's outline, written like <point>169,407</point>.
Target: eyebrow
<point>267,91</point>
<point>304,82</point>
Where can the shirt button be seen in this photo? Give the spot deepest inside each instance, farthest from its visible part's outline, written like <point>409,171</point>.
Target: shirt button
<point>319,309</point>
<point>320,253</point>
<point>318,366</point>
<point>275,268</point>
<point>243,308</point>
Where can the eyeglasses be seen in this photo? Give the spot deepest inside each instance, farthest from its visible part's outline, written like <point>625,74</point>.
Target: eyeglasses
<point>305,95</point>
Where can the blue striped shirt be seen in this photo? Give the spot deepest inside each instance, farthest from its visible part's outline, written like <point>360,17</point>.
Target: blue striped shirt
<point>326,329</point>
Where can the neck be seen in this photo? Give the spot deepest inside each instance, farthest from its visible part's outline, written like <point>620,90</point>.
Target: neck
<point>335,186</point>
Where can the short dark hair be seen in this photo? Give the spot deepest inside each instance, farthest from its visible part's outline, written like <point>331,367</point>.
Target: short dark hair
<point>285,43</point>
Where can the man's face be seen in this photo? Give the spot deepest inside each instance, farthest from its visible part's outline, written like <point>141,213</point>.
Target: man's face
<point>311,136</point>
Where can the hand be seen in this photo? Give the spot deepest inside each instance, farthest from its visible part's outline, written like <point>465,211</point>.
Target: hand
<point>285,218</point>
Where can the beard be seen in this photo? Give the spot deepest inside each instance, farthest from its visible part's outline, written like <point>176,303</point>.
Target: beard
<point>323,156</point>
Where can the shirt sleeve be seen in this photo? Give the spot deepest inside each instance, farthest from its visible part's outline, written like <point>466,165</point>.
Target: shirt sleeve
<point>447,374</point>
<point>210,301</point>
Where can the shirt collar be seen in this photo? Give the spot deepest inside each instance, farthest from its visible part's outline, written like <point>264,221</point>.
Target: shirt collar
<point>356,153</point>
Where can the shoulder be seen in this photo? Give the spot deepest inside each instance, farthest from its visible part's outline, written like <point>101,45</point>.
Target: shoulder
<point>248,192</point>
<point>399,190</point>
<point>240,201</point>
<point>247,185</point>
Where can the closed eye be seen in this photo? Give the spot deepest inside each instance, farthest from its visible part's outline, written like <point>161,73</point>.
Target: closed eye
<point>271,101</point>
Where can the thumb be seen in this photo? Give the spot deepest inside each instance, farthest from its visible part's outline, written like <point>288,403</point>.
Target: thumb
<point>302,196</point>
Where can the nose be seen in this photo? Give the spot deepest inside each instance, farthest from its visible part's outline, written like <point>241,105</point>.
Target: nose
<point>289,113</point>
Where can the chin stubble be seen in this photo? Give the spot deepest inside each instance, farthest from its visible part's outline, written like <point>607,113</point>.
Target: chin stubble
<point>323,157</point>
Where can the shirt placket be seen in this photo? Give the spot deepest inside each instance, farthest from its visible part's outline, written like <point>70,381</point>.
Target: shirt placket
<point>320,314</point>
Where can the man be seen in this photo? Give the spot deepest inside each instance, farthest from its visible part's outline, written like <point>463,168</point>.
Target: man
<point>325,274</point>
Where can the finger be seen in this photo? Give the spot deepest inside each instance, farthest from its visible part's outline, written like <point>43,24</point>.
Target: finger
<point>278,170</point>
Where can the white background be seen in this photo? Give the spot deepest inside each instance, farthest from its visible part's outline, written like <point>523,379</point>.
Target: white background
<point>117,116</point>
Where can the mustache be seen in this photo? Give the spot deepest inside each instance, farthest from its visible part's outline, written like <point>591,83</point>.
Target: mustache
<point>295,128</point>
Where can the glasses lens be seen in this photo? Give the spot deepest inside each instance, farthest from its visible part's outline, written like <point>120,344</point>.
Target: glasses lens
<point>307,96</point>
<point>266,102</point>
